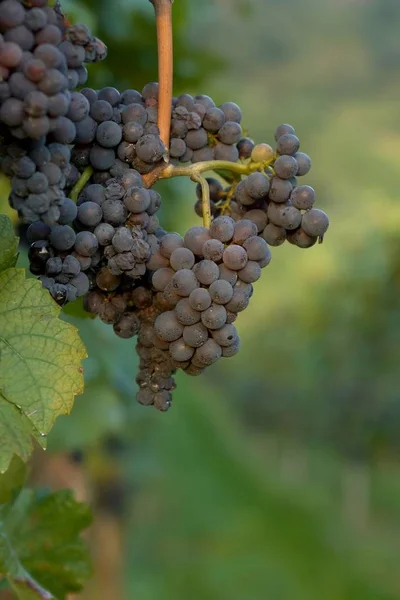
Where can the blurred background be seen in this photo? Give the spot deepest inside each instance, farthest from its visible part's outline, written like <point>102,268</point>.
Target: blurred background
<point>277,474</point>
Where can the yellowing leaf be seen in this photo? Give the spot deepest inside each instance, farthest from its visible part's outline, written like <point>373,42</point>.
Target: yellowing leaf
<point>8,244</point>
<point>40,363</point>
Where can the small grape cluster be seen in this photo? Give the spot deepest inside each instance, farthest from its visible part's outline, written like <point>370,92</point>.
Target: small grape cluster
<point>271,197</point>
<point>103,244</point>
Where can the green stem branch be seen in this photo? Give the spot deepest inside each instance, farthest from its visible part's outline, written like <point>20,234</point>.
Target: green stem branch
<point>80,184</point>
<point>205,198</point>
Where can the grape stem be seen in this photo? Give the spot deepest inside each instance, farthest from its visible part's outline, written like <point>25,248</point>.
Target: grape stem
<point>80,184</point>
<point>168,171</point>
<point>205,198</point>
<point>163,10</point>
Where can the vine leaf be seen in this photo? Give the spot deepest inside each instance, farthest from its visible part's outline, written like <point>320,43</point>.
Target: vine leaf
<point>12,481</point>
<point>8,244</point>
<point>40,364</point>
<point>41,553</point>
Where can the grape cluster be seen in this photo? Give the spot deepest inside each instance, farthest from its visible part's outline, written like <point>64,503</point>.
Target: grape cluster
<point>41,60</point>
<point>270,197</point>
<point>107,236</point>
<point>179,295</point>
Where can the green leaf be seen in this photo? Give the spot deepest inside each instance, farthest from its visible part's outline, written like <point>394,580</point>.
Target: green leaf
<point>41,552</point>
<point>12,481</point>
<point>8,244</point>
<point>40,364</point>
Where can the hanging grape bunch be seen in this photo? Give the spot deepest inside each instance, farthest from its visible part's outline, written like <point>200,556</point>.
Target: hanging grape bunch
<point>82,165</point>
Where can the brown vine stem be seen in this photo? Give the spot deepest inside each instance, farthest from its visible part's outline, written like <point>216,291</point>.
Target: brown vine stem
<point>163,10</point>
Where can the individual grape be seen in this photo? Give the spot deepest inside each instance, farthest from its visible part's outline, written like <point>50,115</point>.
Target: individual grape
<point>187,157</point>
<point>193,371</point>
<point>157,261</point>
<point>122,239</point>
<point>315,222</point>
<point>49,54</point>
<point>12,112</point>
<point>68,211</point>
<point>303,163</point>
<point>226,335</point>
<point>63,130</point>
<point>257,185</point>
<point>251,272</point>
<point>38,203</point>
<point>214,119</point>
<point>227,274</point>
<point>280,189</point>
<point>215,188</point>
<point>12,14</point>
<point>168,327</point>
<point>134,112</point>
<point>37,183</point>
<point>283,130</point>
<point>284,215</point>
<point>222,228</point>
<point>206,271</point>
<point>62,237</point>
<point>229,351</point>
<point>185,313</point>
<point>262,153</point>
<point>81,283</point>
<point>180,351</point>
<point>104,233</point>
<point>132,132</point>
<point>128,326</point>
<point>200,299</point>
<point>37,231</point>
<point>169,243</point>
<point>101,110</point>
<point>240,301</point>
<point>109,134</point>
<point>204,100</point>
<point>181,258</point>
<point>10,54</point>
<point>94,193</point>
<point>245,147</point>
<point>161,278</point>
<point>184,282</point>
<point>54,266</point>
<point>177,148</point>
<point>303,197</point>
<point>20,86</point>
<point>35,19</point>
<point>86,243</point>
<point>288,143</point>
<point>195,335</point>
<point>85,131</point>
<point>301,239</point>
<point>221,291</point>
<point>34,69</point>
<point>230,133</point>
<point>90,214</point>
<point>274,235</point>
<point>59,293</point>
<point>130,97</point>
<point>231,111</point>
<point>286,166</point>
<point>137,199</point>
<point>226,152</point>
<point>257,248</point>
<point>235,257</point>
<point>150,149</point>
<point>36,128</point>
<point>208,353</point>
<point>145,397</point>
<point>71,266</point>
<point>162,400</point>
<point>106,280</point>
<point>195,238</point>
<point>36,104</point>
<point>258,217</point>
<point>214,317</point>
<point>243,230</point>
<point>101,158</point>
<point>110,95</point>
<point>196,139</point>
<point>213,250</point>
<point>90,94</point>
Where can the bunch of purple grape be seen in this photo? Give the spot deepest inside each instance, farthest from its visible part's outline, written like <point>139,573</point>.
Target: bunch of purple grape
<point>179,296</point>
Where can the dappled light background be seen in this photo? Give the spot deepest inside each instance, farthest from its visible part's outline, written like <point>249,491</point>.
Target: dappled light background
<point>276,474</point>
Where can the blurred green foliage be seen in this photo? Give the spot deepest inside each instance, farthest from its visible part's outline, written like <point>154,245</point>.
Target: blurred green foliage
<point>277,474</point>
